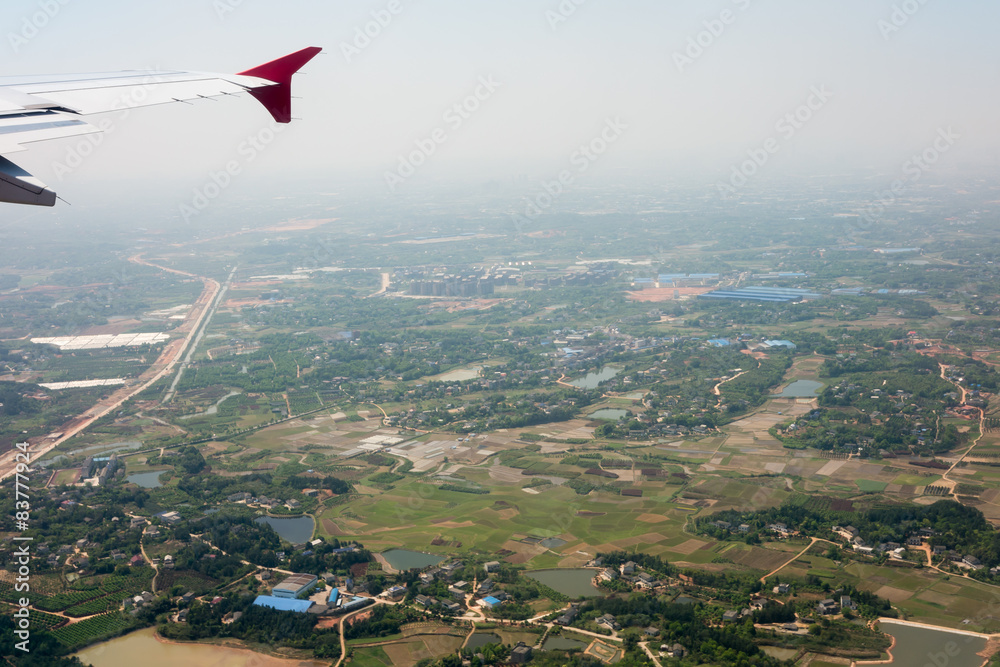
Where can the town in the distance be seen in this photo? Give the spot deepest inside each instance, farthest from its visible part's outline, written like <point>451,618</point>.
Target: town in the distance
<point>648,426</point>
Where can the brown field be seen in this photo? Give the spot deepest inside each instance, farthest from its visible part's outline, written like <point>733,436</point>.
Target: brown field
<point>652,518</point>
<point>893,594</point>
<point>689,547</point>
<point>756,558</point>
<point>660,294</point>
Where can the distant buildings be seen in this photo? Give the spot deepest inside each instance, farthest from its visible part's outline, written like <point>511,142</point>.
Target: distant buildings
<point>765,294</point>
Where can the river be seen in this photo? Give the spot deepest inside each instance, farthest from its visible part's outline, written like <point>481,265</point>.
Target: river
<point>142,648</point>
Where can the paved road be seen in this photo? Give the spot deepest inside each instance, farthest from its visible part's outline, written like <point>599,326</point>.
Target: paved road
<point>199,331</point>
<point>162,367</point>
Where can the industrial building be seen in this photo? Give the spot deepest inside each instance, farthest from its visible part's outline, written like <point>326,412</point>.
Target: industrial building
<point>295,585</point>
<point>774,344</point>
<point>283,604</point>
<point>766,294</point>
<point>355,603</point>
<point>681,279</point>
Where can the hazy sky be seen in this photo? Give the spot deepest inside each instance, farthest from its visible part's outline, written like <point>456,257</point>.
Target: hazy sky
<point>898,73</point>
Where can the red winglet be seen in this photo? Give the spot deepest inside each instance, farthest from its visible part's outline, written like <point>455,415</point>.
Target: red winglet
<point>277,99</point>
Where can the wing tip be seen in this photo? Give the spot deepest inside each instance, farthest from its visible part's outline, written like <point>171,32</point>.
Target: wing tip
<point>281,70</point>
<point>277,98</point>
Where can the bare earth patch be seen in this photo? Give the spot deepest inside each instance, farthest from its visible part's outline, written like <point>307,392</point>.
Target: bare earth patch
<point>893,594</point>
<point>689,547</point>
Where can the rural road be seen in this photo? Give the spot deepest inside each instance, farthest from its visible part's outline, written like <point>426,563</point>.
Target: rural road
<point>813,541</point>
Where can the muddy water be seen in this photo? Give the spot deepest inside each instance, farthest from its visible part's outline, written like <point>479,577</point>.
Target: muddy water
<point>142,648</point>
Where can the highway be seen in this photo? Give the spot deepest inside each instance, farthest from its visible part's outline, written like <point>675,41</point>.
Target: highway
<point>162,367</point>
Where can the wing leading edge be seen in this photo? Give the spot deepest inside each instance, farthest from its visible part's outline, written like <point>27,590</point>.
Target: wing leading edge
<point>43,108</point>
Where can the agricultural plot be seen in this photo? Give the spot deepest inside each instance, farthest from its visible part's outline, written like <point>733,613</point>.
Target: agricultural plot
<point>411,515</point>
<point>754,558</point>
<point>408,652</point>
<point>95,597</point>
<point>372,656</point>
<point>871,485</point>
<point>92,629</point>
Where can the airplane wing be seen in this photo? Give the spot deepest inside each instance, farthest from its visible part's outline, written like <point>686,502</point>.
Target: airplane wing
<point>40,108</point>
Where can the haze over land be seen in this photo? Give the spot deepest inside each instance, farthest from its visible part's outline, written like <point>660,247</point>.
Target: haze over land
<point>567,333</point>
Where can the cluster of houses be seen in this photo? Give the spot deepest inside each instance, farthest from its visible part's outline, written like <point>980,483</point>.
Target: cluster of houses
<point>135,604</point>
<point>246,498</point>
<point>916,539</point>
<point>486,595</point>
<point>675,651</point>
<point>630,573</point>
<point>780,529</point>
<point>823,608</point>
<point>97,471</point>
<point>830,606</point>
<point>756,604</point>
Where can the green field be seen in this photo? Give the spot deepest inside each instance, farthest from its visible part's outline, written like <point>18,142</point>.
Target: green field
<point>871,486</point>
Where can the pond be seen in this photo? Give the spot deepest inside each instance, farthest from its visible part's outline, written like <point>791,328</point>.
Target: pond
<point>481,639</point>
<point>214,409</point>
<point>922,645</point>
<point>608,413</point>
<point>780,653</point>
<point>576,583</point>
<point>563,644</point>
<point>802,389</point>
<point>297,531</point>
<point>591,380</point>
<point>108,450</point>
<point>147,480</point>
<point>552,542</point>
<point>142,648</point>
<point>404,559</point>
